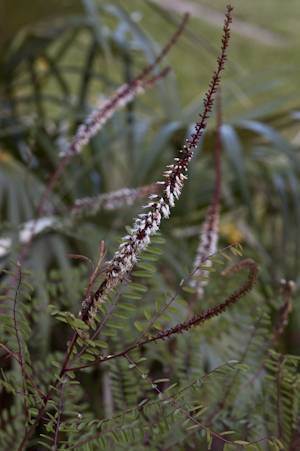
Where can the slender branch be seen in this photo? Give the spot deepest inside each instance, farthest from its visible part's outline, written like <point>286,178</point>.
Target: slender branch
<point>23,370</point>
<point>234,297</point>
<point>137,342</point>
<point>175,405</point>
<point>209,235</point>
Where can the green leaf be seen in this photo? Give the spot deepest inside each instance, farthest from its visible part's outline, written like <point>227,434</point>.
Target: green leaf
<point>149,257</point>
<point>46,436</point>
<point>170,387</point>
<point>26,295</point>
<point>186,422</point>
<point>101,442</point>
<point>45,445</point>
<point>25,335</point>
<point>89,357</point>
<point>4,298</point>
<point>102,309</point>
<point>76,322</point>
<point>138,326</point>
<point>242,367</point>
<point>100,343</point>
<point>200,278</point>
<point>278,443</point>
<point>90,342</point>
<point>26,273</point>
<point>216,260</point>
<point>233,361</point>
<point>241,442</point>
<point>81,426</point>
<point>143,402</point>
<point>142,274</point>
<point>226,256</point>
<point>208,436</point>
<point>51,416</point>
<point>150,428</point>
<point>10,330</point>
<point>201,412</point>
<point>147,315</point>
<point>219,373</point>
<point>165,317</point>
<point>227,432</point>
<point>157,306</point>
<point>208,268</point>
<point>154,250</point>
<point>157,240</point>
<point>158,326</point>
<point>10,273</point>
<point>24,307</point>
<point>12,346</point>
<point>158,407</point>
<point>193,427</point>
<point>120,315</point>
<point>180,301</point>
<point>231,367</point>
<point>109,333</point>
<point>17,264</point>
<point>237,251</point>
<point>113,324</point>
<point>25,326</point>
<point>172,310</point>
<point>189,290</point>
<point>138,287</point>
<point>27,285</point>
<point>146,266</point>
<point>124,436</point>
<point>126,306</point>
<point>57,364</point>
<point>132,295</point>
<point>195,408</point>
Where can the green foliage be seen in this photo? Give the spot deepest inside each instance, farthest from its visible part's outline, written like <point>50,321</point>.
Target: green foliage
<point>147,363</point>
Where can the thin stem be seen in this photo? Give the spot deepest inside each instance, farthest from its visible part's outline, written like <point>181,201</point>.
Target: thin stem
<point>23,370</point>
<point>174,405</point>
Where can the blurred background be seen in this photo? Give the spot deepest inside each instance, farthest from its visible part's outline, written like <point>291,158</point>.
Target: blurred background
<point>60,59</point>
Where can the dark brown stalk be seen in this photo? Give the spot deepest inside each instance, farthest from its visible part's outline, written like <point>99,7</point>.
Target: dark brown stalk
<point>149,223</point>
<point>209,234</point>
<point>217,310</point>
<point>282,322</point>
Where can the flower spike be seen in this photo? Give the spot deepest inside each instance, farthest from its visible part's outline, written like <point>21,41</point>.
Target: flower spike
<point>148,224</point>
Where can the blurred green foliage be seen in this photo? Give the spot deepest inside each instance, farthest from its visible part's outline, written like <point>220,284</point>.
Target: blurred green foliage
<point>58,59</point>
